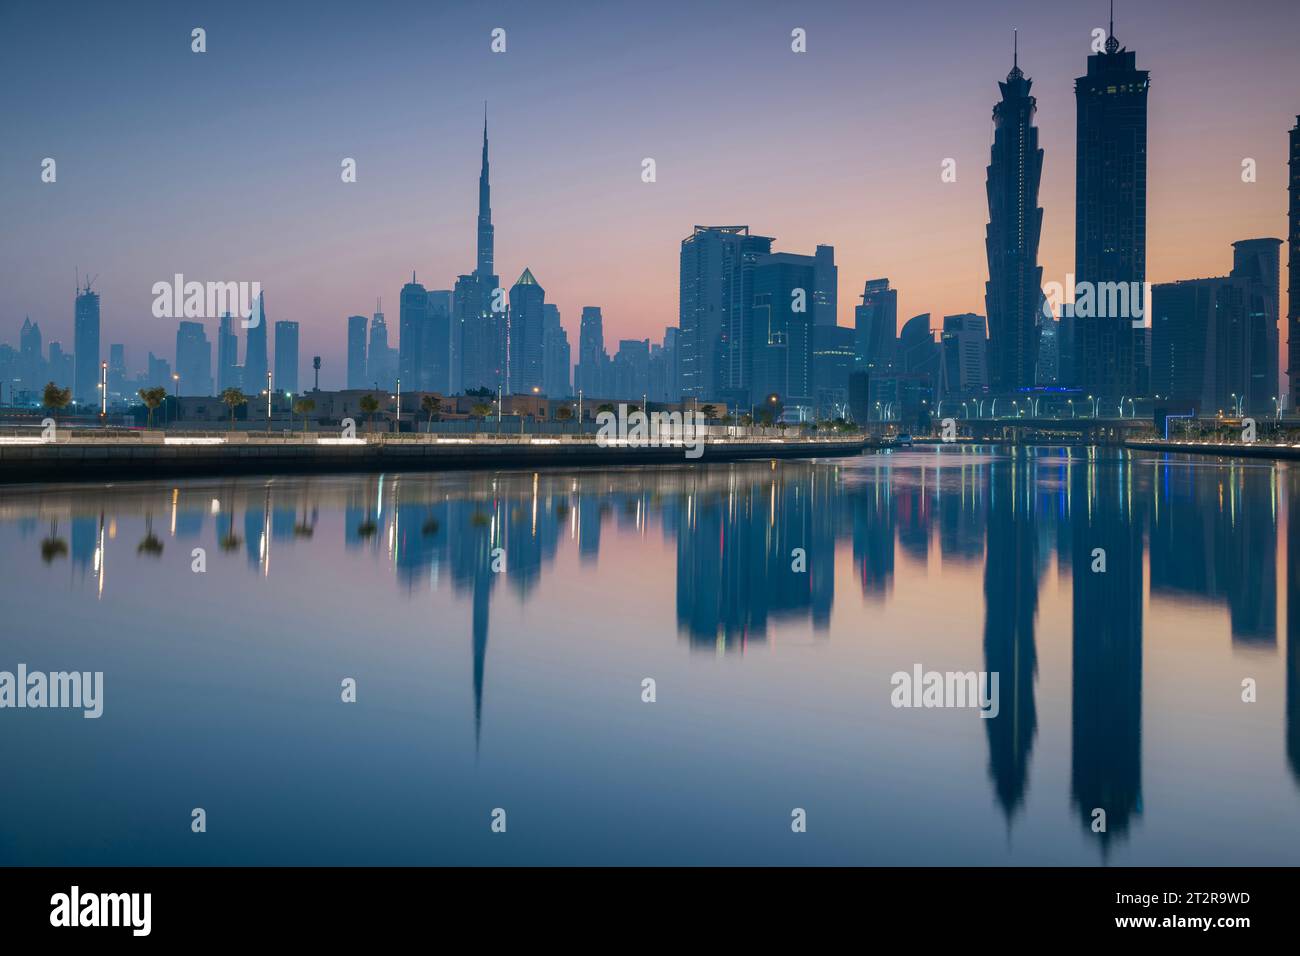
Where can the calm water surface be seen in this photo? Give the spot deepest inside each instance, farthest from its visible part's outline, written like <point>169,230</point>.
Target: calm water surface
<point>521,689</point>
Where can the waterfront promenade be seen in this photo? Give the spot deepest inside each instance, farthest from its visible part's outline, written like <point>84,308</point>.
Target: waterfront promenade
<point>155,454</point>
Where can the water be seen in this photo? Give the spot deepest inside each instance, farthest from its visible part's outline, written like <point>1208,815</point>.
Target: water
<point>522,690</point>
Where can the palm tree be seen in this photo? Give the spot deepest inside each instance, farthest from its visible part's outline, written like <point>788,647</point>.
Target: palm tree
<point>303,406</point>
<point>709,411</point>
<point>150,545</point>
<point>53,546</point>
<point>56,398</point>
<point>432,405</point>
<point>563,413</point>
<point>369,404</point>
<point>233,398</point>
<point>152,398</point>
<point>481,410</point>
<point>605,407</point>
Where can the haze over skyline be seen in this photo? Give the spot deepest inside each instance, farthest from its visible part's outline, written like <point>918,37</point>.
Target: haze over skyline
<point>225,165</point>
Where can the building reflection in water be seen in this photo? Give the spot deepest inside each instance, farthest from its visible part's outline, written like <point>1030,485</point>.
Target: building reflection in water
<point>1205,533</point>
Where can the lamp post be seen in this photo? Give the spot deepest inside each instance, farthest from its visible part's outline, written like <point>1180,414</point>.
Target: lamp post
<point>103,393</point>
<point>399,405</point>
<point>268,401</point>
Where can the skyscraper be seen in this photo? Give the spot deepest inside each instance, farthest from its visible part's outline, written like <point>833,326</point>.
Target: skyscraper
<point>435,358</point>
<point>412,314</point>
<point>589,376</point>
<point>1014,290</point>
<point>876,323</point>
<point>1255,261</point>
<point>228,372</point>
<point>256,363</point>
<point>85,342</point>
<point>1110,229</point>
<point>379,374</point>
<point>556,359</point>
<point>826,281</point>
<point>31,361</point>
<point>783,323</point>
<point>357,352</point>
<point>286,357</point>
<point>193,359</point>
<point>965,355</point>
<point>527,299</point>
<point>479,313</point>
<point>715,311</point>
<point>1293,270</point>
<point>116,371</point>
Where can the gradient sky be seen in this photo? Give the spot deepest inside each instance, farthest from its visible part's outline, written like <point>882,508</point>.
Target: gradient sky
<point>225,165</point>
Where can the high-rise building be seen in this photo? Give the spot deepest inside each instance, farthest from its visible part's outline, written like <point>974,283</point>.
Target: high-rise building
<point>1049,347</point>
<point>61,369</point>
<point>256,362</point>
<point>833,354</point>
<point>782,329</point>
<point>158,371</point>
<point>876,325</point>
<point>228,371</point>
<point>193,359</point>
<point>965,355</point>
<point>1013,293</point>
<point>1214,342</point>
<point>379,370</point>
<point>435,360</point>
<point>357,352</point>
<point>630,370</point>
<point>556,357</point>
<point>825,291</point>
<point>31,357</point>
<point>715,311</point>
<point>286,357</point>
<point>527,327</point>
<point>1293,270</point>
<point>116,371</point>
<point>85,378</point>
<point>591,374</point>
<point>412,315</point>
<point>480,314</point>
<point>1110,229</point>
<point>1256,261</point>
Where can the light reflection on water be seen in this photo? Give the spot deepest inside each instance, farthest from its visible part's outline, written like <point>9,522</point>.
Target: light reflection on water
<point>522,689</point>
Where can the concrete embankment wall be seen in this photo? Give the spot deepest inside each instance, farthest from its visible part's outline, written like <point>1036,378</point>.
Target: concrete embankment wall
<point>90,461</point>
<point>1221,449</point>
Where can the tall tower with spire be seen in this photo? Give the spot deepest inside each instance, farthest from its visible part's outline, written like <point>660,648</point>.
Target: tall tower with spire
<point>1293,270</point>
<point>484,267</point>
<point>479,331</point>
<point>1013,294</point>
<point>1107,357</point>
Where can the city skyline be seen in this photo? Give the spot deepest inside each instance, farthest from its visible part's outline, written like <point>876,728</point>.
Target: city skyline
<point>1229,209</point>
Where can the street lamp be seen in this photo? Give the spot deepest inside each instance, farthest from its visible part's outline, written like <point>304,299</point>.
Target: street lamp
<point>103,392</point>
<point>268,400</point>
<point>399,404</point>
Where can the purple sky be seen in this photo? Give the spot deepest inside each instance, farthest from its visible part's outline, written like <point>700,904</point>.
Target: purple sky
<point>225,165</point>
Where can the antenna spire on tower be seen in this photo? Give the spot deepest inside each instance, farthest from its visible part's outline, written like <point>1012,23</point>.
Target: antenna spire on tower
<point>1015,48</point>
